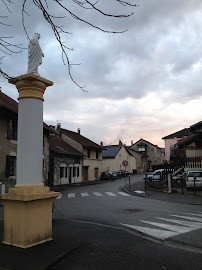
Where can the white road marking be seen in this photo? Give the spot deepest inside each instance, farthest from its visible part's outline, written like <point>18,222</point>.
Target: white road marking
<point>84,194</point>
<point>110,194</point>
<point>159,234</point>
<point>97,194</point>
<point>175,228</point>
<point>71,195</point>
<point>124,194</point>
<point>139,192</point>
<point>198,215</point>
<point>190,218</point>
<point>196,225</point>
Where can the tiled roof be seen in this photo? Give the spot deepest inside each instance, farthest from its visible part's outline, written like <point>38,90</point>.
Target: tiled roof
<point>179,134</point>
<point>195,125</point>
<point>12,105</point>
<point>188,140</point>
<point>8,103</point>
<point>138,143</point>
<point>110,151</point>
<point>132,151</point>
<point>57,145</point>
<point>81,139</point>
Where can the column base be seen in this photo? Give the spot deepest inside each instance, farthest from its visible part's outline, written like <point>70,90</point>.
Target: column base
<point>28,215</point>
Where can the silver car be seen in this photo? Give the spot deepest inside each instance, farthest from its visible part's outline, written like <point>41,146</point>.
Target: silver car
<point>191,176</point>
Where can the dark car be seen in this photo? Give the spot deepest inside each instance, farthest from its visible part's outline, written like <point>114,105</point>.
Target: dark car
<point>116,174</point>
<point>107,175</point>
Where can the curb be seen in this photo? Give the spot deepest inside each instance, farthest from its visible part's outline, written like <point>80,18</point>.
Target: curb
<point>59,257</point>
<point>133,193</point>
<point>63,187</point>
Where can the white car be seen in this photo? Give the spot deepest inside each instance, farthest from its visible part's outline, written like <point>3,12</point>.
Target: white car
<point>191,175</point>
<point>156,175</point>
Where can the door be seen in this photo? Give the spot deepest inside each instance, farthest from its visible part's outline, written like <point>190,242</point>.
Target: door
<point>96,173</point>
<point>85,173</point>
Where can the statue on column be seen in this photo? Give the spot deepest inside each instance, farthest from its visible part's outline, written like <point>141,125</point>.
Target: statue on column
<point>35,54</point>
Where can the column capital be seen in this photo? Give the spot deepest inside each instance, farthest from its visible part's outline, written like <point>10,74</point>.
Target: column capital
<point>30,85</point>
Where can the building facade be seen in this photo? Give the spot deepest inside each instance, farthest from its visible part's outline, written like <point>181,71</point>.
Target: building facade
<point>171,140</point>
<point>150,154</point>
<point>92,152</point>
<point>113,157</point>
<point>66,163</point>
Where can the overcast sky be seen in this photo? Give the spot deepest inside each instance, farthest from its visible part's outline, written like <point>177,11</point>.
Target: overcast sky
<point>145,83</point>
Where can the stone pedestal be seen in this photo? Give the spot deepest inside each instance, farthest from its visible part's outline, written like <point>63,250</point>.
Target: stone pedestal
<point>28,206</point>
<point>28,215</point>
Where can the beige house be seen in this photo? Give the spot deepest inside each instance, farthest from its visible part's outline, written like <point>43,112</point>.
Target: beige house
<point>91,151</point>
<point>150,154</point>
<point>114,155</point>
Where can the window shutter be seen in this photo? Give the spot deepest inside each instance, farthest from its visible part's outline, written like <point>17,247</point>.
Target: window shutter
<point>9,130</point>
<point>8,165</point>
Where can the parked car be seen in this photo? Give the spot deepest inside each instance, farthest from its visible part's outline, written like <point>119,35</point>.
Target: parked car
<point>117,174</point>
<point>178,176</point>
<point>157,175</point>
<point>107,175</point>
<point>123,172</point>
<point>191,176</point>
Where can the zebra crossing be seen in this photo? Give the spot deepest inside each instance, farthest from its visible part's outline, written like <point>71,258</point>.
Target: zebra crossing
<point>97,194</point>
<point>175,225</point>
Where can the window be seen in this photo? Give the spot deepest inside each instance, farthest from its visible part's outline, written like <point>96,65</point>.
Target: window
<point>63,171</point>
<point>12,130</point>
<point>10,166</point>
<point>141,148</point>
<point>97,154</point>
<point>88,153</point>
<point>77,171</point>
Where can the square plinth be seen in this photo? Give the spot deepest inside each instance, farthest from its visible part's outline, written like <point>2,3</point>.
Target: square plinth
<point>28,215</point>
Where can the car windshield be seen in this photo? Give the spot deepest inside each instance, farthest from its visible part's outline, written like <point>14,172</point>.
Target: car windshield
<point>195,174</point>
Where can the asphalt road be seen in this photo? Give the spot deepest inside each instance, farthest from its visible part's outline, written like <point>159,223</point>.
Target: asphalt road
<point>119,231</point>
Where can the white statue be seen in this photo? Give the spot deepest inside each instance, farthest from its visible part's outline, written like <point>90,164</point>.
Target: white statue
<point>35,54</point>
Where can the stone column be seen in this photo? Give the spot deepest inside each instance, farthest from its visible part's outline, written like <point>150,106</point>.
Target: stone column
<point>28,206</point>
<point>30,127</point>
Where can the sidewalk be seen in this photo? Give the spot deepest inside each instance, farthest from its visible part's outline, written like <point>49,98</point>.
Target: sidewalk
<point>39,257</point>
<point>137,188</point>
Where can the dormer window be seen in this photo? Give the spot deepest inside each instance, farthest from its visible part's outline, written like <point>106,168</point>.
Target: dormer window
<point>141,148</point>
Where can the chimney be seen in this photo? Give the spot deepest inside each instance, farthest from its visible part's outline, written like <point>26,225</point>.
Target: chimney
<point>59,129</point>
<point>131,142</point>
<point>120,143</point>
<point>101,143</point>
<point>79,131</point>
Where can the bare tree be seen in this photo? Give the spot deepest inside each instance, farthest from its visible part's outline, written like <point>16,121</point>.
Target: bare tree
<point>7,47</point>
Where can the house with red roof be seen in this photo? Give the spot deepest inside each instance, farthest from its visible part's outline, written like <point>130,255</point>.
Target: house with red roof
<point>8,143</point>
<point>65,162</point>
<point>92,152</point>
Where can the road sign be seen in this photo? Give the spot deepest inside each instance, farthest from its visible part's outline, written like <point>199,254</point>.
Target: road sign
<point>125,163</point>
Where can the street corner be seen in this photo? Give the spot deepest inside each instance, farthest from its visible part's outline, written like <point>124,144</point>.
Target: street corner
<point>42,256</point>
